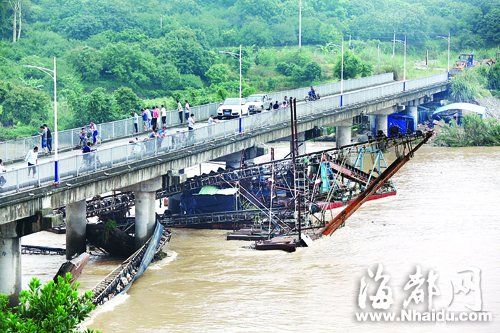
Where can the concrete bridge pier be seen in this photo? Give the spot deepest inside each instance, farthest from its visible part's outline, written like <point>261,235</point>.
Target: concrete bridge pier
<point>145,209</point>
<point>373,124</point>
<point>413,112</point>
<point>10,262</point>
<point>382,123</point>
<point>343,133</point>
<point>76,228</point>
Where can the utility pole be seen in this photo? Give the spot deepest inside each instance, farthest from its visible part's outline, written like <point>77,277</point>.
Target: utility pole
<point>300,24</point>
<point>404,63</point>
<point>378,57</point>
<point>393,44</point>
<point>449,43</point>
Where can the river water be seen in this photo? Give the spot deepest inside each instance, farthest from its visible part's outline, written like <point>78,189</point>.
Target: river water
<point>444,218</point>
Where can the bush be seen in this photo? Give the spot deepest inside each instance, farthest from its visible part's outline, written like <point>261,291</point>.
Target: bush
<point>54,307</point>
<point>474,131</point>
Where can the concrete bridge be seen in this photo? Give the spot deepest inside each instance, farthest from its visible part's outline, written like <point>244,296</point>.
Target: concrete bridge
<point>26,205</point>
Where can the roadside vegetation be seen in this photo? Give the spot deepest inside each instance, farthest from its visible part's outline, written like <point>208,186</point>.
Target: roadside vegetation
<point>53,307</point>
<point>116,55</point>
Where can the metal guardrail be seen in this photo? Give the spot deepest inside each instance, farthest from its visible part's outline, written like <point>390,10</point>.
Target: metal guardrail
<point>16,149</point>
<point>77,165</point>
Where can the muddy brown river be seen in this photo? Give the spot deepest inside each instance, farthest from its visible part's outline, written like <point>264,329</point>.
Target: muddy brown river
<point>445,218</point>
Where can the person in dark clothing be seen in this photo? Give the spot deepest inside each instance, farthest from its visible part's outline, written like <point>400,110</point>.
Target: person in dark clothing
<point>49,138</point>
<point>276,106</point>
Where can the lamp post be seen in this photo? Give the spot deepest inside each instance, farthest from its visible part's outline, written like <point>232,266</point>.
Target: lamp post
<point>404,55</point>
<point>53,74</point>
<point>239,56</point>
<point>448,38</point>
<point>341,46</point>
<point>300,24</point>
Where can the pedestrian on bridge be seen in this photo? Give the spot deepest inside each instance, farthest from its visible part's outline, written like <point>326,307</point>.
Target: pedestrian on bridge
<point>49,138</point>
<point>43,136</point>
<point>32,160</point>
<point>187,109</point>
<point>2,171</point>
<point>163,112</point>
<point>135,116</point>
<point>180,110</point>
<point>155,116</point>
<point>191,122</point>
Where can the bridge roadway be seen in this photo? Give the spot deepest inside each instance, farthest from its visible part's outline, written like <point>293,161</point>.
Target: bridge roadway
<point>15,150</point>
<point>117,165</point>
<point>140,167</point>
<point>172,128</point>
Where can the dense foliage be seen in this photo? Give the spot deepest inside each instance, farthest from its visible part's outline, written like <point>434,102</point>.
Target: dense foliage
<point>474,131</point>
<point>114,53</point>
<point>53,307</point>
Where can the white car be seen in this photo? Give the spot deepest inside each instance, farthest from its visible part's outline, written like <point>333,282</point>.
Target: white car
<point>232,107</point>
<point>257,103</point>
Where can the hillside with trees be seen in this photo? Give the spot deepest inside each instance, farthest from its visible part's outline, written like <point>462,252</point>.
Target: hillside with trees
<point>113,55</point>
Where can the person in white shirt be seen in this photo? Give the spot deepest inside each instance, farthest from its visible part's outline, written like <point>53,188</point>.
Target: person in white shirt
<point>163,112</point>
<point>136,121</point>
<point>32,159</point>
<point>181,111</point>
<point>187,110</point>
<point>191,122</point>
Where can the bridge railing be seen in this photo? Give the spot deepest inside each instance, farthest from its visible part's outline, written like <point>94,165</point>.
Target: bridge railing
<point>102,159</point>
<point>16,149</point>
<point>426,81</point>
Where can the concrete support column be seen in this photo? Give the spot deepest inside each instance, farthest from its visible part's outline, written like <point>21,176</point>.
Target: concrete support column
<point>145,209</point>
<point>343,133</point>
<point>373,124</point>
<point>10,268</point>
<point>382,123</point>
<point>413,112</point>
<point>145,216</point>
<point>76,228</point>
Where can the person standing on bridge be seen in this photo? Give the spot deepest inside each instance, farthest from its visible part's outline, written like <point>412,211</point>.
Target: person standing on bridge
<point>163,111</point>
<point>32,160</point>
<point>187,109</point>
<point>2,171</point>
<point>180,110</point>
<point>49,138</point>
<point>154,120</point>
<point>135,116</point>
<point>43,136</point>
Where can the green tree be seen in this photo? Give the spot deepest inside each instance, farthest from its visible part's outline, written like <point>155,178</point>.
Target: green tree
<point>467,86</point>
<point>24,105</point>
<point>353,66</point>
<point>219,73</point>
<point>99,107</point>
<point>53,307</point>
<point>126,101</point>
<point>87,62</point>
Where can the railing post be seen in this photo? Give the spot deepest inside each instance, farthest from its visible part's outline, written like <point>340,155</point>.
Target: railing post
<point>111,155</point>
<point>113,130</point>
<point>17,179</point>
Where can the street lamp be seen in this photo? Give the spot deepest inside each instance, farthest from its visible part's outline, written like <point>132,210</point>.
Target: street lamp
<point>53,74</point>
<point>449,43</point>
<point>404,56</point>
<point>300,24</point>
<point>341,46</point>
<point>236,55</point>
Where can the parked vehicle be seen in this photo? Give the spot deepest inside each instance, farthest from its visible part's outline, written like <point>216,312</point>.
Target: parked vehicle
<point>232,107</point>
<point>256,103</point>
